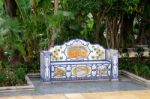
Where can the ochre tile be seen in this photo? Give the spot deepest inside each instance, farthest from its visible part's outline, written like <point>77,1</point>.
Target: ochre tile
<point>119,97</point>
<point>74,96</point>
<point>91,95</point>
<point>137,94</point>
<point>143,96</point>
<point>24,97</point>
<point>51,96</point>
<point>58,96</point>
<point>3,97</point>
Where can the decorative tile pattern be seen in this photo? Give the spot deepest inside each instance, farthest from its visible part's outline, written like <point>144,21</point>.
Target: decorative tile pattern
<point>77,50</point>
<point>78,60</point>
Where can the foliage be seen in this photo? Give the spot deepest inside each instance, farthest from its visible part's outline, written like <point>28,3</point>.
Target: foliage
<point>108,22</point>
<point>2,78</point>
<point>11,76</point>
<point>23,37</point>
<point>139,51</point>
<point>20,74</point>
<point>140,68</point>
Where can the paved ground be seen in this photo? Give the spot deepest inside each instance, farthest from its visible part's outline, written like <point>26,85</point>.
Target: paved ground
<point>144,94</point>
<point>125,88</point>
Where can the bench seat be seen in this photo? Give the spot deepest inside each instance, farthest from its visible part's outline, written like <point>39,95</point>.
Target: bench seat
<point>80,62</point>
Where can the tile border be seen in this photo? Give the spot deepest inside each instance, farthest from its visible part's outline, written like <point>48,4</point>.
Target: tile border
<point>37,75</point>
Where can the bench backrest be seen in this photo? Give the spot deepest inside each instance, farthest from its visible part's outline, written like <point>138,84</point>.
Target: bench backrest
<point>76,50</point>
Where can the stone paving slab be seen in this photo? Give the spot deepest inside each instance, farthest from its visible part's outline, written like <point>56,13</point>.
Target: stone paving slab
<point>41,88</point>
<point>142,94</point>
<point>50,96</point>
<point>81,87</point>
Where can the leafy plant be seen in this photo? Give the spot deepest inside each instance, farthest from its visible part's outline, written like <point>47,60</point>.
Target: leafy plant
<point>2,78</point>
<point>140,68</point>
<point>140,51</point>
<point>20,74</point>
<point>136,68</point>
<point>10,77</point>
<point>124,64</point>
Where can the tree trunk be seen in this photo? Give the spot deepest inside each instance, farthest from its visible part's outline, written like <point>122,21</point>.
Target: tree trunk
<point>53,37</point>
<point>144,34</point>
<point>54,30</point>
<point>126,29</point>
<point>11,7</point>
<point>113,28</point>
<point>99,37</point>
<point>55,6</point>
<point>97,32</point>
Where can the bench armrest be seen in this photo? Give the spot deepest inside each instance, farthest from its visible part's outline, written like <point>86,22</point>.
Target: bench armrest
<point>45,65</point>
<point>112,55</point>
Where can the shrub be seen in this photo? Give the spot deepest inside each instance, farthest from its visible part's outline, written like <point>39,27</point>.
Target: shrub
<point>140,68</point>
<point>20,75</point>
<point>2,78</point>
<point>10,78</point>
<point>144,71</point>
<point>125,64</point>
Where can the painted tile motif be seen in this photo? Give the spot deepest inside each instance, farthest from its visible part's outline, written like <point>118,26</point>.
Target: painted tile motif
<point>103,71</point>
<point>81,71</point>
<point>77,50</point>
<point>77,71</point>
<point>74,51</point>
<point>59,72</point>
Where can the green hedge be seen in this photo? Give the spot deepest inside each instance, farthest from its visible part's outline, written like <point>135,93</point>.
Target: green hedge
<point>140,68</point>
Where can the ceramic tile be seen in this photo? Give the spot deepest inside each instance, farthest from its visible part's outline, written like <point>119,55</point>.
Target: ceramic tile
<point>9,97</point>
<point>51,96</point>
<point>74,96</point>
<point>24,97</point>
<point>143,94</point>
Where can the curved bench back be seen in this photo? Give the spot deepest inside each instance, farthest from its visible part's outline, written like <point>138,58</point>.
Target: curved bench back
<point>76,50</point>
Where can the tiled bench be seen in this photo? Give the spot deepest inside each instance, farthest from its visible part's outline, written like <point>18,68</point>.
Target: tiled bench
<point>78,60</point>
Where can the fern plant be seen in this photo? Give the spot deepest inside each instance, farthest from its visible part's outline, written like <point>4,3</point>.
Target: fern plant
<point>33,30</point>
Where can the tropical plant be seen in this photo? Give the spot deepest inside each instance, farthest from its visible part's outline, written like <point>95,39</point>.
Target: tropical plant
<point>29,26</point>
